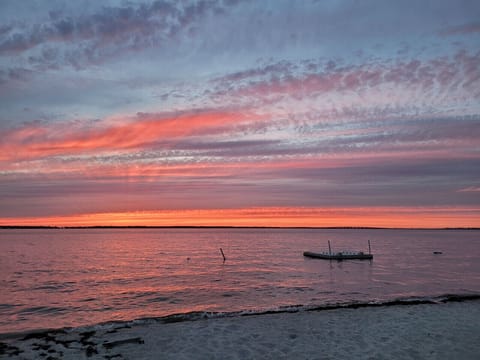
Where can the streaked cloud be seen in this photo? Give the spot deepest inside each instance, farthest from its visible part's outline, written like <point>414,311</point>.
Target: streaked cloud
<point>269,216</point>
<point>110,30</point>
<point>456,76</point>
<point>144,130</point>
<point>463,29</point>
<point>470,189</point>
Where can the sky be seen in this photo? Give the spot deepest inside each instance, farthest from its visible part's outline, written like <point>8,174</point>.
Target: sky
<point>242,113</point>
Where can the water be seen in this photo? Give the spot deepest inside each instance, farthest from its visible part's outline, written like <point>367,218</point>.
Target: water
<point>53,278</point>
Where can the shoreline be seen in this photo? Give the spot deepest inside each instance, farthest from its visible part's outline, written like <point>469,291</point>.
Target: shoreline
<point>205,315</point>
<point>440,330</point>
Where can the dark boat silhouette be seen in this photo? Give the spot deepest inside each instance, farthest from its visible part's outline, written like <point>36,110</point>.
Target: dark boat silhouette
<point>342,255</point>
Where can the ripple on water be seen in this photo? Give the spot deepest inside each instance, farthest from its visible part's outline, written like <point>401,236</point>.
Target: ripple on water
<point>8,306</point>
<point>159,299</point>
<point>43,310</point>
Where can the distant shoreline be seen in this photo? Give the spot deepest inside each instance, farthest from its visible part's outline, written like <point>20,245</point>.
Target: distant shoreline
<point>26,227</point>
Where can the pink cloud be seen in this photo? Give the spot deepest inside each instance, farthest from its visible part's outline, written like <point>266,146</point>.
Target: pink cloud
<point>464,29</point>
<point>37,141</point>
<point>441,75</point>
<point>470,189</point>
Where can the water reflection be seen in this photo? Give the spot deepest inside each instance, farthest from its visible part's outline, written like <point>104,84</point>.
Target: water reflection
<point>53,278</point>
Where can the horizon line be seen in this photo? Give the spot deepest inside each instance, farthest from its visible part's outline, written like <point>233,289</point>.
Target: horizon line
<point>6,227</point>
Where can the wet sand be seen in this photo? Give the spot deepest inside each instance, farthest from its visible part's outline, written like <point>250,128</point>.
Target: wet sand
<point>424,331</point>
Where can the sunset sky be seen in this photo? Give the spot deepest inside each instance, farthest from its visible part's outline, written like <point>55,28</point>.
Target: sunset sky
<point>264,113</point>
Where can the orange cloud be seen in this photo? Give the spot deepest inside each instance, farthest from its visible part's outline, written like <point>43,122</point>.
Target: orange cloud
<point>394,217</point>
<point>36,141</point>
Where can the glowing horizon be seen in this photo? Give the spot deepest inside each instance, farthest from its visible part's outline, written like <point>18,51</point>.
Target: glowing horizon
<point>266,217</point>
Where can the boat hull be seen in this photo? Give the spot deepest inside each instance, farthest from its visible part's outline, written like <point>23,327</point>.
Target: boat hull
<point>338,256</point>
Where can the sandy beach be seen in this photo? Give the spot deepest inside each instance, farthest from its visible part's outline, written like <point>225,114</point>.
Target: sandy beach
<point>426,331</point>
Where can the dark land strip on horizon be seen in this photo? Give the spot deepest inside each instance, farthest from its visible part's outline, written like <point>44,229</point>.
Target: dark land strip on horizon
<point>225,227</point>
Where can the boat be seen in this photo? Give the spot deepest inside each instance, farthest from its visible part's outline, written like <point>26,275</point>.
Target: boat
<point>342,255</point>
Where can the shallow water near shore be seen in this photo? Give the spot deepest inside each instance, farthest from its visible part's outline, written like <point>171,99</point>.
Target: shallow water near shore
<point>53,278</point>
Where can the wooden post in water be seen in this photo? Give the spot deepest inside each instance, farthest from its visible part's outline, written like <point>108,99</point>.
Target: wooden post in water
<point>369,249</point>
<point>224,258</point>
<point>329,248</point>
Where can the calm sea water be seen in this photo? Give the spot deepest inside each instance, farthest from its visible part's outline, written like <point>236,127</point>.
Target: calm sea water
<point>65,277</point>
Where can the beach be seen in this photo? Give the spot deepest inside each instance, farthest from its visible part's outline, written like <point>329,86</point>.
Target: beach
<point>423,331</point>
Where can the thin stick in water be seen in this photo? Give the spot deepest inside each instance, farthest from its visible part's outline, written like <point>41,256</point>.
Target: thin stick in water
<point>224,258</point>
